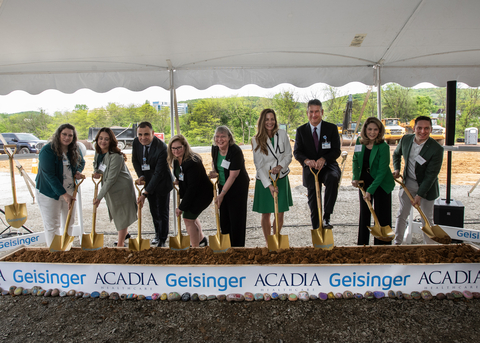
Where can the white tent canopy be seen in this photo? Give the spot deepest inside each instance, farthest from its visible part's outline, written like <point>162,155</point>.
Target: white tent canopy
<point>102,44</point>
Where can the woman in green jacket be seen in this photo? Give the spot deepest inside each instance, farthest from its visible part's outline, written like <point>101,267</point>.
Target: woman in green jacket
<point>60,163</point>
<point>117,183</point>
<point>371,163</point>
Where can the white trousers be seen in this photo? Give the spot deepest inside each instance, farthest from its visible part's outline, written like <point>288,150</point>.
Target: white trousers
<point>404,211</point>
<point>54,216</point>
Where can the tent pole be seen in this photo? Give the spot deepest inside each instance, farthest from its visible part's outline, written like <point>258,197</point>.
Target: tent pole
<point>379,94</point>
<point>172,133</point>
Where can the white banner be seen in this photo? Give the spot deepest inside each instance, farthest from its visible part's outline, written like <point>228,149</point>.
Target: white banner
<point>462,234</point>
<point>16,242</point>
<point>202,279</point>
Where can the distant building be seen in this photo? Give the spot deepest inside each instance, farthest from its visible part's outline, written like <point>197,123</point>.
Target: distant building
<point>182,107</point>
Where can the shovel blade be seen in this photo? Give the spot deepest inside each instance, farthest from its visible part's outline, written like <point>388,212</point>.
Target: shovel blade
<point>322,239</point>
<point>387,233</point>
<point>92,242</point>
<point>436,233</point>
<point>220,243</point>
<point>16,215</point>
<point>179,242</point>
<point>274,243</point>
<point>138,244</point>
<point>61,243</point>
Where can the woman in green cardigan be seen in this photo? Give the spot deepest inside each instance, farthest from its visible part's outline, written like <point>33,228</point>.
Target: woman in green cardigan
<point>371,163</point>
<point>60,163</point>
<point>117,183</point>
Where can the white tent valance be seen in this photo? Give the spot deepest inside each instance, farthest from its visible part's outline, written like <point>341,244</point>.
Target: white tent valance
<point>100,45</point>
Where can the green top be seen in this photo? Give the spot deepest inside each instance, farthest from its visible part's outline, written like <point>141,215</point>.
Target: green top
<point>221,173</point>
<point>379,164</point>
<point>100,158</point>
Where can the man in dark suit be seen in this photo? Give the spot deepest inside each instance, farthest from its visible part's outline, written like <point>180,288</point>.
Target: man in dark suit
<point>423,158</point>
<point>317,146</point>
<point>149,158</point>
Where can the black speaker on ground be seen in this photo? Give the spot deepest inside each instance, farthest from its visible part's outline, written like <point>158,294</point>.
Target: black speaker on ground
<point>451,214</point>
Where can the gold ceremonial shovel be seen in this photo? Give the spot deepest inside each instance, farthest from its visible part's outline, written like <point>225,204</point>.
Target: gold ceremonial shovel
<point>65,241</point>
<point>383,233</point>
<point>321,238</point>
<point>179,242</point>
<point>15,214</point>
<point>93,241</point>
<point>220,242</point>
<point>434,232</point>
<point>139,244</point>
<point>276,241</point>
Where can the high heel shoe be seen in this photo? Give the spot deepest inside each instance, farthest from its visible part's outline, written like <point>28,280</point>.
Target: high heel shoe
<point>203,242</point>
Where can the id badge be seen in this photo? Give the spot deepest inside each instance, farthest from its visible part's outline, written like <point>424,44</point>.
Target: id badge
<point>102,167</point>
<point>225,164</point>
<point>326,145</point>
<point>358,148</point>
<point>420,160</point>
<point>145,167</point>
<point>180,177</point>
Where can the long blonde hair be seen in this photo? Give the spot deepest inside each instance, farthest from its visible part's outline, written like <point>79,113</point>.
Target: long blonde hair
<point>262,136</point>
<point>187,154</point>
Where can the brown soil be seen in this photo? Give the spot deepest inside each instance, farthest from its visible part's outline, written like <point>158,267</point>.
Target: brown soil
<point>203,256</point>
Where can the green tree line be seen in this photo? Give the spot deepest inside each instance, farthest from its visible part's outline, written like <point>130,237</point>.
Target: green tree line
<point>240,114</point>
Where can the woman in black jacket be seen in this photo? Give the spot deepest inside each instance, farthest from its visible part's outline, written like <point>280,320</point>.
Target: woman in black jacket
<point>229,166</point>
<point>196,190</point>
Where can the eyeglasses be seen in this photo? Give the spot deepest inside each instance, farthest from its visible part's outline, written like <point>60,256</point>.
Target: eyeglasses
<point>177,148</point>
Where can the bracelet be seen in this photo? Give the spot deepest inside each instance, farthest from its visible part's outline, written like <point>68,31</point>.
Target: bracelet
<point>145,195</point>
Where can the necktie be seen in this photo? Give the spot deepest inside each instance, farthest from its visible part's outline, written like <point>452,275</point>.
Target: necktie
<point>146,153</point>
<point>315,138</point>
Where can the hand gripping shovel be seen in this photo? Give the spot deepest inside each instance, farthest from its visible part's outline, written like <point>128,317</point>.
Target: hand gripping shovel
<point>92,241</point>
<point>220,242</point>
<point>321,238</point>
<point>276,241</point>
<point>179,242</point>
<point>139,244</point>
<point>64,242</point>
<point>434,232</point>
<point>15,214</point>
<point>383,233</point>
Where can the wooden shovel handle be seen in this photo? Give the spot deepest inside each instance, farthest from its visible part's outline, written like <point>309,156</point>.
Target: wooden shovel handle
<point>319,198</point>
<point>369,204</point>
<point>275,200</point>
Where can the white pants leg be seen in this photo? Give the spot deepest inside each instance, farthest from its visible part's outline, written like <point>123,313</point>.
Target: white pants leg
<point>54,215</point>
<point>404,211</point>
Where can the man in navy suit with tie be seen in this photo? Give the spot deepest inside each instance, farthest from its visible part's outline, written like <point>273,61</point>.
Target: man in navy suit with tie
<point>317,146</point>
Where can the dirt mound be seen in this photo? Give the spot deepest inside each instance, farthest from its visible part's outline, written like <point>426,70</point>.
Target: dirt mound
<point>203,256</point>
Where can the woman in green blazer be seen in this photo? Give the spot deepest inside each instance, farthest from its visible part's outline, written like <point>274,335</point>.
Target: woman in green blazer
<point>117,183</point>
<point>371,163</point>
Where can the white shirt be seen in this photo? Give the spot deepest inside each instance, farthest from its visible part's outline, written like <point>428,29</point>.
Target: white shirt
<point>414,152</point>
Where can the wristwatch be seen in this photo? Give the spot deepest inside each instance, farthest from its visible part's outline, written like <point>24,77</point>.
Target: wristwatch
<point>145,195</point>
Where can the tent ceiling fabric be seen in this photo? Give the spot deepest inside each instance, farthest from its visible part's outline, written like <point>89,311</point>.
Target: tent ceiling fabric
<point>73,44</point>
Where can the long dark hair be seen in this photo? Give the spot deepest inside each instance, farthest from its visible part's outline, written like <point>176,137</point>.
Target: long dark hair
<point>72,147</point>
<point>112,145</point>
<point>262,136</point>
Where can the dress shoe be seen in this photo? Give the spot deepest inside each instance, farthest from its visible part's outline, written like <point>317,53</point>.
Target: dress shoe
<point>326,224</point>
<point>161,244</point>
<point>203,242</point>
<point>155,241</point>
<point>126,238</point>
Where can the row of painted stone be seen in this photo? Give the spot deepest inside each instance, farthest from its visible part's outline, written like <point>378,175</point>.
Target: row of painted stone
<point>248,296</point>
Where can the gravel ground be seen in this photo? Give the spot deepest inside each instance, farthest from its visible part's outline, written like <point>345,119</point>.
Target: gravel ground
<point>38,319</point>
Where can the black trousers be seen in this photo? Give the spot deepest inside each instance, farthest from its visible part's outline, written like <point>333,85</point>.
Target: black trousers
<point>330,179</point>
<point>382,204</point>
<point>233,216</point>
<point>159,209</point>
